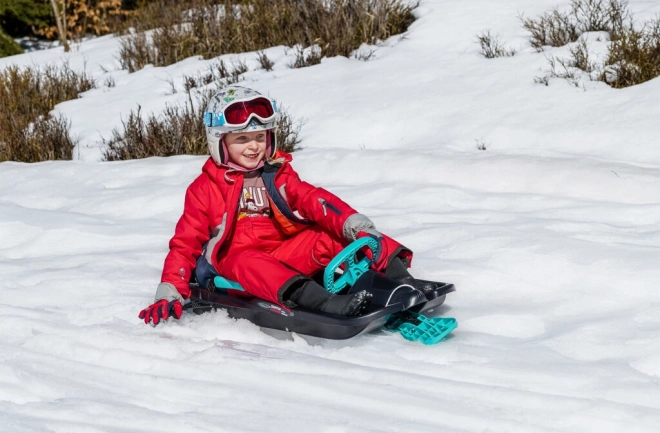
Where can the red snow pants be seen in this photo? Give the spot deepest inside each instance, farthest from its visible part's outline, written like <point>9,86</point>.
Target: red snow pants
<point>263,260</point>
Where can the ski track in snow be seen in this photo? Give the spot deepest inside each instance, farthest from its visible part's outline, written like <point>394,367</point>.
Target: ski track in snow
<point>551,236</point>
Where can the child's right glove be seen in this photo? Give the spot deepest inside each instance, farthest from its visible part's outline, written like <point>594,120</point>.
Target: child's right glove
<point>161,310</point>
<point>382,255</point>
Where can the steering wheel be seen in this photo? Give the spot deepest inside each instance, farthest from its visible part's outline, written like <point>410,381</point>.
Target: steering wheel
<point>353,269</point>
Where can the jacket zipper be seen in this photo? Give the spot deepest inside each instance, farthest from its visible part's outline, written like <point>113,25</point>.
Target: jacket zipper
<point>327,205</point>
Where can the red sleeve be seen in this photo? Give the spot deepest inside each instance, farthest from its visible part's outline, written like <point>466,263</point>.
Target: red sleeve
<point>317,204</point>
<point>191,233</point>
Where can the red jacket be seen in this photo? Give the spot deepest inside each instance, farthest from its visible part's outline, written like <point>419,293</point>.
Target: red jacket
<point>211,205</point>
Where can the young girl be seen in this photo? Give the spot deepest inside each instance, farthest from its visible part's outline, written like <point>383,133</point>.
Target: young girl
<point>249,218</point>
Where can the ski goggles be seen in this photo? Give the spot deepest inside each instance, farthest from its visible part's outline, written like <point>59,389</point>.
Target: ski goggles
<point>239,114</point>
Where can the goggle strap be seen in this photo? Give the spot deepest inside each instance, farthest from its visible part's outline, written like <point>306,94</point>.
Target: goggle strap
<point>214,119</point>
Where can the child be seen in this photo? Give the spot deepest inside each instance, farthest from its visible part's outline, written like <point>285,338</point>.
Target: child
<point>249,218</point>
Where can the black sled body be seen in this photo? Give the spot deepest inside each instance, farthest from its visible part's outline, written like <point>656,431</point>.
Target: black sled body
<point>389,297</point>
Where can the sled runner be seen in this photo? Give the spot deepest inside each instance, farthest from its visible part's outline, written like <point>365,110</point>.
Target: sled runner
<point>395,306</point>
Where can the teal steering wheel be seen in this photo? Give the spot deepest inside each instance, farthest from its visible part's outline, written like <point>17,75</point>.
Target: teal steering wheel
<point>353,269</point>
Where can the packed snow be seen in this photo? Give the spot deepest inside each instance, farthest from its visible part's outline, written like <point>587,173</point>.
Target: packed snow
<point>551,235</point>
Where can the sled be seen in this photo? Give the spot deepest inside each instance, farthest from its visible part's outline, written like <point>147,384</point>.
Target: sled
<point>394,306</point>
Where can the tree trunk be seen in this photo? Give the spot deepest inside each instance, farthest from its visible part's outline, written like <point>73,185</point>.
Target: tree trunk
<point>60,26</point>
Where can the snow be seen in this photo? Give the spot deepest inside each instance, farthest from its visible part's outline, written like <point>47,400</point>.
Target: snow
<point>550,235</point>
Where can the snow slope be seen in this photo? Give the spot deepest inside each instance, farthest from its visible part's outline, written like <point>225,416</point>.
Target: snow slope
<point>550,235</point>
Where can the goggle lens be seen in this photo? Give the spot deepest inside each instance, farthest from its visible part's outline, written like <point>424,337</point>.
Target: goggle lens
<point>239,112</point>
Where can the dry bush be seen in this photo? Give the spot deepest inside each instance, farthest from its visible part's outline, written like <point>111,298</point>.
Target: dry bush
<point>553,28</point>
<point>309,56</point>
<point>210,28</point>
<point>45,139</point>
<point>633,55</point>
<point>572,69</point>
<point>288,131</point>
<point>561,68</point>
<point>557,28</point>
<point>27,95</point>
<point>492,46</point>
<point>265,63</point>
<point>580,57</point>
<point>179,130</point>
<point>217,72</point>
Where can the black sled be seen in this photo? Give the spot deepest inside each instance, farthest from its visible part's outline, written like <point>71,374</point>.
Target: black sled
<point>396,306</point>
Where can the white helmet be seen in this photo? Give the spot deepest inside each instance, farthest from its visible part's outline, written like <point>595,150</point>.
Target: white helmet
<point>239,109</point>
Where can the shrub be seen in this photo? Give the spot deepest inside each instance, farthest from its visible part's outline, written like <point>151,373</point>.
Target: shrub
<point>288,131</point>
<point>558,28</point>
<point>217,72</point>
<point>8,47</point>
<point>265,63</point>
<point>492,47</point>
<point>27,95</point>
<point>309,56</point>
<point>633,54</point>
<point>554,28</point>
<point>45,139</point>
<point>210,28</point>
<point>20,17</point>
<point>179,130</point>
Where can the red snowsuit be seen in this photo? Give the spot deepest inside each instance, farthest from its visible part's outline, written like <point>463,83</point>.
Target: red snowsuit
<point>265,255</point>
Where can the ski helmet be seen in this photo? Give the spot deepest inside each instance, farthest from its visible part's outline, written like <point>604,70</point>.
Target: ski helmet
<point>239,109</point>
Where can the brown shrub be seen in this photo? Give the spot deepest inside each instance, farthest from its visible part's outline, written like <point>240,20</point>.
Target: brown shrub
<point>210,28</point>
<point>557,28</point>
<point>27,95</point>
<point>492,46</point>
<point>179,130</point>
<point>633,55</point>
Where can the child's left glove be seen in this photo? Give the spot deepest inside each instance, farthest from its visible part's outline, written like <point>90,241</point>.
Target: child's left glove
<point>161,310</point>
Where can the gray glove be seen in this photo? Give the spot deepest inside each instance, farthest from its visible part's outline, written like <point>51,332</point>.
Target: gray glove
<point>357,223</point>
<point>168,292</point>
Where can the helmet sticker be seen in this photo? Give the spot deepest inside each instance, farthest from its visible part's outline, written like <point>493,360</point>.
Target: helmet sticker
<point>230,95</point>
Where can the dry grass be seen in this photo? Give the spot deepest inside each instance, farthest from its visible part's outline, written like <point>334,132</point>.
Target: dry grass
<point>633,54</point>
<point>309,56</point>
<point>492,46</point>
<point>288,131</point>
<point>557,28</point>
<point>265,63</point>
<point>27,95</point>
<point>634,57</point>
<point>210,28</point>
<point>179,130</point>
<point>176,131</point>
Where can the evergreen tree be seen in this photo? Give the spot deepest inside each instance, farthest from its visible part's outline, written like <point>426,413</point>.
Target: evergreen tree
<point>23,17</point>
<point>8,47</point>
